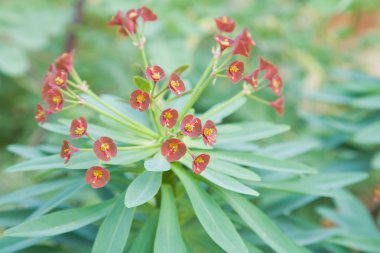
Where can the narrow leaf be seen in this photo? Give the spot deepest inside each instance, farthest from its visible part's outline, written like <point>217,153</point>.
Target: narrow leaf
<point>145,238</point>
<point>157,163</point>
<point>141,83</point>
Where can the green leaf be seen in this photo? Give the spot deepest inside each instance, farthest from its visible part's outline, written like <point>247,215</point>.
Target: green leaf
<point>262,162</point>
<point>132,156</point>
<point>114,231</point>
<point>232,169</point>
<point>222,110</point>
<point>61,222</point>
<point>369,102</point>
<point>181,69</point>
<point>261,224</point>
<point>13,60</point>
<point>368,135</point>
<point>376,161</point>
<point>42,163</point>
<point>168,235</point>
<point>141,83</point>
<point>157,163</point>
<point>24,151</point>
<point>365,244</point>
<point>145,238</point>
<point>8,244</point>
<point>143,188</point>
<point>216,223</point>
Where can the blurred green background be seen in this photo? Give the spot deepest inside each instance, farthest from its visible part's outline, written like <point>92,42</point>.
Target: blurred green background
<point>315,44</point>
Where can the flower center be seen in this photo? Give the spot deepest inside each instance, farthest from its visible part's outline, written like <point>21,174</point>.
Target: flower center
<point>41,114</point>
<point>168,115</point>
<point>199,160</point>
<point>58,81</point>
<point>225,19</point>
<point>132,14</point>
<point>208,131</point>
<point>189,127</point>
<point>57,100</point>
<point>140,98</point>
<point>173,147</point>
<point>254,80</point>
<point>225,43</point>
<point>79,130</point>
<point>156,76</point>
<point>174,83</point>
<point>234,69</point>
<point>276,84</point>
<point>97,174</point>
<point>104,147</point>
<point>66,150</point>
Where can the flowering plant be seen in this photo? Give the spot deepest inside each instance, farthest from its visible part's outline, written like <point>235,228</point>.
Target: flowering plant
<point>147,145</point>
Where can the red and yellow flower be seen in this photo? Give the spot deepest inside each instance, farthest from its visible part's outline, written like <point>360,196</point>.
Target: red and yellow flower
<point>78,128</point>
<point>235,71</point>
<point>41,115</point>
<point>252,78</point>
<point>139,100</point>
<point>97,177</point>
<point>278,105</point>
<point>223,42</point>
<point>243,44</point>
<point>173,149</point>
<point>155,73</point>
<point>147,14</point>
<point>200,163</point>
<point>176,85</point>
<point>269,68</point>
<point>276,85</point>
<point>191,126</point>
<point>105,148</point>
<point>169,117</point>
<point>225,24</point>
<point>67,150</point>
<point>55,100</point>
<point>209,133</point>
<point>64,62</point>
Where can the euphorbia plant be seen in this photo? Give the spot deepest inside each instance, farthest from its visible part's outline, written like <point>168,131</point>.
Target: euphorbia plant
<point>151,156</point>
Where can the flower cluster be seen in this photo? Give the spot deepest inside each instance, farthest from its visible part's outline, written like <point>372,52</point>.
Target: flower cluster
<point>173,127</point>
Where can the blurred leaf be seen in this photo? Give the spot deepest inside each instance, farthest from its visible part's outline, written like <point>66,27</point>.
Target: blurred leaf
<point>141,83</point>
<point>366,244</point>
<point>8,244</point>
<point>181,69</point>
<point>211,216</point>
<point>145,238</point>
<point>168,236</point>
<point>114,231</point>
<point>157,163</point>
<point>368,135</point>
<point>13,60</point>
<point>370,102</point>
<point>143,188</point>
<point>376,161</point>
<point>232,169</point>
<point>24,151</point>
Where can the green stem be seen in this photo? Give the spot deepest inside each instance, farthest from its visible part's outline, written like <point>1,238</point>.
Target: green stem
<point>161,92</point>
<point>70,106</point>
<point>260,100</point>
<point>144,58</point>
<point>177,97</point>
<point>221,106</point>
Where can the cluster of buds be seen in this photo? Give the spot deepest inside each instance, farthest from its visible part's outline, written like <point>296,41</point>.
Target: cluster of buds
<point>172,126</point>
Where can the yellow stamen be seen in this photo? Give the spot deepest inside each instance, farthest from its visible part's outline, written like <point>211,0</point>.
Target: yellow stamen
<point>189,127</point>
<point>66,150</point>
<point>132,14</point>
<point>140,98</point>
<point>225,43</point>
<point>104,147</point>
<point>173,147</point>
<point>224,19</point>
<point>57,100</point>
<point>79,130</point>
<point>97,174</point>
<point>174,83</point>
<point>199,160</point>
<point>234,69</point>
<point>156,76</point>
<point>208,131</point>
<point>168,115</point>
<point>58,81</point>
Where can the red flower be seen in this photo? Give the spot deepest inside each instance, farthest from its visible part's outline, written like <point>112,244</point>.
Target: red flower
<point>243,44</point>
<point>276,85</point>
<point>131,20</point>
<point>169,117</point>
<point>54,100</point>
<point>173,149</point>
<point>147,14</point>
<point>278,105</point>
<point>64,62</point>
<point>235,71</point>
<point>116,20</point>
<point>200,163</point>
<point>376,194</point>
<point>41,115</point>
<point>105,148</point>
<point>78,128</point>
<point>58,79</point>
<point>176,85</point>
<point>252,78</point>
<point>270,69</point>
<point>97,177</point>
<point>155,73</point>
<point>223,42</point>
<point>209,133</point>
<point>225,24</point>
<point>67,150</point>
<point>127,24</point>
<point>139,100</point>
<point>191,126</point>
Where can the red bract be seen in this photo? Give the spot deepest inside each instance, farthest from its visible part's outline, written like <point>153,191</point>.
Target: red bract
<point>147,14</point>
<point>235,71</point>
<point>78,128</point>
<point>139,100</point>
<point>155,73</point>
<point>97,177</point>
<point>191,126</point>
<point>200,163</point>
<point>176,85</point>
<point>116,20</point>
<point>169,117</point>
<point>54,100</point>
<point>58,80</point>
<point>276,85</point>
<point>173,149</point>
<point>225,24</point>
<point>127,24</point>
<point>105,148</point>
<point>243,44</point>
<point>64,62</point>
<point>209,133</point>
<point>67,150</point>
<point>131,20</point>
<point>278,105</point>
<point>223,42</point>
<point>252,78</point>
<point>269,68</point>
<point>40,116</point>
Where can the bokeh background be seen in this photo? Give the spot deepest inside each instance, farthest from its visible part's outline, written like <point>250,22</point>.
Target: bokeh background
<point>328,53</point>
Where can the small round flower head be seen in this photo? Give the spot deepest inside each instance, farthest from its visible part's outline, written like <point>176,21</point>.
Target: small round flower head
<point>243,44</point>
<point>97,177</point>
<point>225,24</point>
<point>252,78</point>
<point>209,133</point>
<point>173,149</point>
<point>169,117</point>
<point>78,128</point>
<point>200,163</point>
<point>154,73</point>
<point>191,126</point>
<point>64,62</point>
<point>278,105</point>
<point>139,100</point>
<point>269,68</point>
<point>223,42</point>
<point>67,150</point>
<point>176,85</point>
<point>105,148</point>
<point>55,100</point>
<point>235,71</point>
<point>41,115</point>
<point>147,14</point>
<point>276,85</point>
